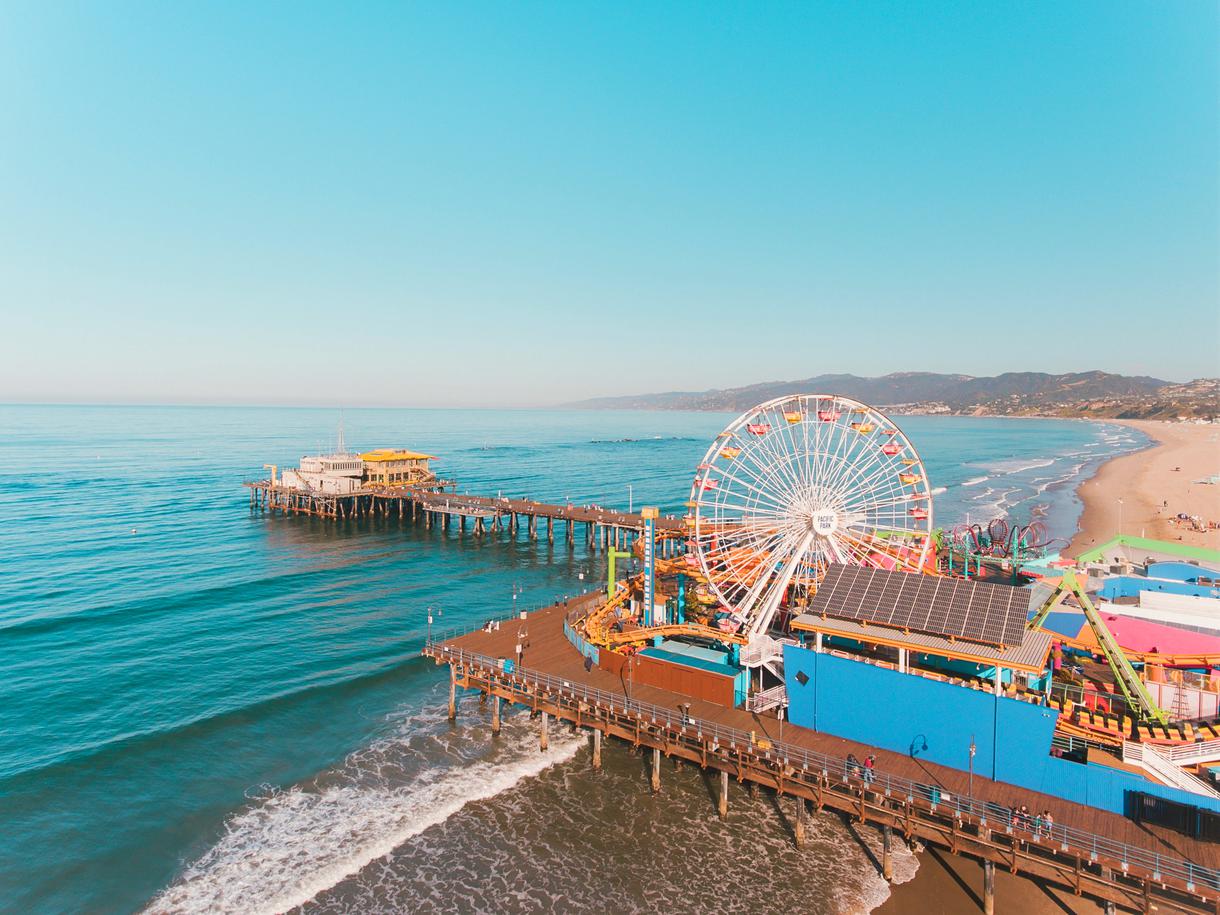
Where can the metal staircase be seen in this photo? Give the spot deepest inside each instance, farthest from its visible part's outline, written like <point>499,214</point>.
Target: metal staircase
<point>1159,764</point>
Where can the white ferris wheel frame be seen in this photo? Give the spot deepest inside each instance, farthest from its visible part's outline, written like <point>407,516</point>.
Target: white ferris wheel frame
<point>775,506</point>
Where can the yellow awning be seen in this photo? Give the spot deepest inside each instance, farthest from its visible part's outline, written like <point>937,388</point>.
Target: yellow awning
<point>395,454</point>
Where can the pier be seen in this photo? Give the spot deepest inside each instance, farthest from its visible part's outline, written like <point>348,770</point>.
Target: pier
<point>435,505</point>
<point>1091,852</point>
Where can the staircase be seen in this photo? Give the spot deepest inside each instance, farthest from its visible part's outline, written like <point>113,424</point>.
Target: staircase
<point>768,699</point>
<point>1159,764</point>
<point>768,652</point>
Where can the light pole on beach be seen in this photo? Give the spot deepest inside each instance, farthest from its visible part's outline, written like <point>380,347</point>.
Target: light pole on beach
<point>1120,517</point>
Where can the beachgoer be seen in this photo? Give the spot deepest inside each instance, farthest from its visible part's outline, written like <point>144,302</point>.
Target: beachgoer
<point>1048,821</point>
<point>852,765</point>
<point>869,763</point>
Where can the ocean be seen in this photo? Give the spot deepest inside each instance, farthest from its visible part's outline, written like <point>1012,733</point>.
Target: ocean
<point>207,709</point>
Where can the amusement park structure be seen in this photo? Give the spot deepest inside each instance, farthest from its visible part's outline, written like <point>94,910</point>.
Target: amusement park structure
<point>802,485</point>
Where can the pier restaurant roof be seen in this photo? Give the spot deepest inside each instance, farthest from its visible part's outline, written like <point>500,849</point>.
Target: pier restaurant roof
<point>378,455</point>
<point>1029,656</point>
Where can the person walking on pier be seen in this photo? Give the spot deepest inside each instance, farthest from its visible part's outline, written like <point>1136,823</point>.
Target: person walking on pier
<point>870,762</point>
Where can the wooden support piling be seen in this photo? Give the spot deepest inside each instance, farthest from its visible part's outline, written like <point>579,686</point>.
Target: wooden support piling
<point>542,729</point>
<point>887,854</point>
<point>988,887</point>
<point>724,793</point>
<point>452,691</point>
<point>798,824</point>
<point>656,770</point>
<point>597,748</point>
<point>495,715</point>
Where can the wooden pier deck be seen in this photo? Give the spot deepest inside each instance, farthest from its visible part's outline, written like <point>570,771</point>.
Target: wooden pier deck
<point>604,527</point>
<point>1093,852</point>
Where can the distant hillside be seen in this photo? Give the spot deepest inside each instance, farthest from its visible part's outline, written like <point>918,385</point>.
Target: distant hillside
<point>1010,394</point>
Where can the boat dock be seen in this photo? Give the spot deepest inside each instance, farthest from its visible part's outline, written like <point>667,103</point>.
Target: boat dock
<point>1089,851</point>
<point>435,504</point>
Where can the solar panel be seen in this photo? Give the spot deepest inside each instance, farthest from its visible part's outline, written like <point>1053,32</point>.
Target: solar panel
<point>993,614</point>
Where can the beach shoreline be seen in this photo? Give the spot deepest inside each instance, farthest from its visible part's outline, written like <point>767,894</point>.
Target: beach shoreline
<point>1141,493</point>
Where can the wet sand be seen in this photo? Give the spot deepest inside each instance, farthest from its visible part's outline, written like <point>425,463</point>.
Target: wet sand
<point>946,884</point>
<point>1154,485</point>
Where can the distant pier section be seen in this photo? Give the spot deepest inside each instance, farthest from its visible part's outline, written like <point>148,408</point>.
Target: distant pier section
<point>396,482</point>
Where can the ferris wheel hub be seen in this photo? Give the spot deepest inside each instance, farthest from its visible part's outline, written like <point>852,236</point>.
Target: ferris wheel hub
<point>824,522</point>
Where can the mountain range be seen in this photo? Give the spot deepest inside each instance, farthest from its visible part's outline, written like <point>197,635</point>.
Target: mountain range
<point>1092,393</point>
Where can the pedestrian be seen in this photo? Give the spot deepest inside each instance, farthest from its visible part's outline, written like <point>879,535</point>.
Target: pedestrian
<point>1024,817</point>
<point>869,763</point>
<point>1048,821</point>
<point>852,765</point>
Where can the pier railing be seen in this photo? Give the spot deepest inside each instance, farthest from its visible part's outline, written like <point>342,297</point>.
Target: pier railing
<point>1069,840</point>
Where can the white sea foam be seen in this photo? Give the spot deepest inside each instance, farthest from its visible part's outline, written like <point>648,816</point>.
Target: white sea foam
<point>297,843</point>
<point>1020,466</point>
<point>976,481</point>
<point>939,489</point>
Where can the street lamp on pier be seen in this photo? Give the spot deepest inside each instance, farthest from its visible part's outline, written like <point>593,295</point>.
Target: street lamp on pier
<point>973,750</point>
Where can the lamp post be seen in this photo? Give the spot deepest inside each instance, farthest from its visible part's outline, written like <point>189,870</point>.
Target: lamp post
<point>630,499</point>
<point>973,750</point>
<point>1120,517</point>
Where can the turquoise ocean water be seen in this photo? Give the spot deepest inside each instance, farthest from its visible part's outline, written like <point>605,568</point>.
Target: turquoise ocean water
<point>208,709</point>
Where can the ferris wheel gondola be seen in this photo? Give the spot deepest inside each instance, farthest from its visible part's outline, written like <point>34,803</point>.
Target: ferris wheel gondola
<point>800,482</point>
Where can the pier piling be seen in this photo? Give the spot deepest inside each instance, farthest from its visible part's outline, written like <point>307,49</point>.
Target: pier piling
<point>724,793</point>
<point>656,770</point>
<point>452,693</point>
<point>542,728</point>
<point>988,888</point>
<point>495,715</point>
<point>887,854</point>
<point>798,824</point>
<point>597,748</point>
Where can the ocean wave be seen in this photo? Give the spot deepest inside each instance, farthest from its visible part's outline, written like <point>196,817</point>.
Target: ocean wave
<point>976,481</point>
<point>293,844</point>
<point>939,489</point>
<point>1011,467</point>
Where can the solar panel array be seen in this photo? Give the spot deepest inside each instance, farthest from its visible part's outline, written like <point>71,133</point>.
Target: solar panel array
<point>979,611</point>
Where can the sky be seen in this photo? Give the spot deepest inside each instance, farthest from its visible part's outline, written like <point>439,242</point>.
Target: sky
<point>458,204</point>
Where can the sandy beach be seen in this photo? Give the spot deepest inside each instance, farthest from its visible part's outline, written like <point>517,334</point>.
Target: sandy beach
<point>947,884</point>
<point>1139,494</point>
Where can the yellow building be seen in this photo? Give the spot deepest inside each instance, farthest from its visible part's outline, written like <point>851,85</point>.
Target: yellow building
<point>396,467</point>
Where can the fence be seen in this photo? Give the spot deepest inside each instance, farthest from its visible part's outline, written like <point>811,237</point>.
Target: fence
<point>1091,846</point>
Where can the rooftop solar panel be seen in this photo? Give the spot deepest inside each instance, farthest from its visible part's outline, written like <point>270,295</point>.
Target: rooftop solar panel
<point>979,611</point>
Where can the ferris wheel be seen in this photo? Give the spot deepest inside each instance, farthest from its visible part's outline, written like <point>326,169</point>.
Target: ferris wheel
<point>795,484</point>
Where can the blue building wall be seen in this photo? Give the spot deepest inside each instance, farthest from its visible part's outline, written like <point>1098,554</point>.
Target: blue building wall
<point>1131,585</point>
<point>915,715</point>
<point>935,721</point>
<point>1180,571</point>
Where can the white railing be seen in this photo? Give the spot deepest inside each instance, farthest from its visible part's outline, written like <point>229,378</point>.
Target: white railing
<point>768,699</point>
<point>1193,754</point>
<point>1169,772</point>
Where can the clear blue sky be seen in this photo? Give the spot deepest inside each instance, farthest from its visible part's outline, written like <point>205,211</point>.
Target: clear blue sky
<point>517,204</point>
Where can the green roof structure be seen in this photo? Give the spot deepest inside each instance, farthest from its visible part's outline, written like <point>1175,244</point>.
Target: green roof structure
<point>1148,545</point>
